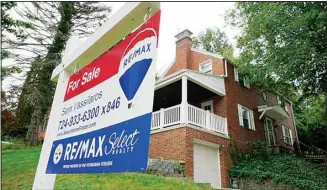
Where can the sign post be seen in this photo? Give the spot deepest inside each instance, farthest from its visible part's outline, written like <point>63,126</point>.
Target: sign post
<point>101,115</point>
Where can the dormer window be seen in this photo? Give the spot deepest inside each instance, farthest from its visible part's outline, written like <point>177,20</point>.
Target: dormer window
<point>206,67</point>
<point>242,79</point>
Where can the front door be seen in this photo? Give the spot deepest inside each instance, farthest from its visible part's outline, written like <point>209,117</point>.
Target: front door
<point>208,105</point>
<point>270,132</point>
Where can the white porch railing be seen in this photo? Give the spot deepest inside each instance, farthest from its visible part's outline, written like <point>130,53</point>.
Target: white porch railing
<point>193,115</point>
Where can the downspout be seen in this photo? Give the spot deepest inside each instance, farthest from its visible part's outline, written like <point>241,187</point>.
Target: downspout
<point>225,68</point>
<point>297,137</point>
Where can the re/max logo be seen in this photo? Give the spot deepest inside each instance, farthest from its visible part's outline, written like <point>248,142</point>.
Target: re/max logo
<point>101,145</point>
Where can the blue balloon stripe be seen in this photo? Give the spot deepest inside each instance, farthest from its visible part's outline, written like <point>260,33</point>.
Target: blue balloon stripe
<point>131,80</point>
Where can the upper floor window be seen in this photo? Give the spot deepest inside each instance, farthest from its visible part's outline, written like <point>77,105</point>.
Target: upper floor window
<point>278,99</point>
<point>242,79</point>
<point>287,133</point>
<point>264,96</point>
<point>206,67</point>
<point>246,117</point>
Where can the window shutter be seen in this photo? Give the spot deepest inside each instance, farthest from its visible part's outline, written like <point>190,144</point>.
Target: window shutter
<point>236,74</point>
<point>247,82</point>
<point>283,128</point>
<point>240,118</point>
<point>278,100</point>
<point>291,136</point>
<point>252,120</point>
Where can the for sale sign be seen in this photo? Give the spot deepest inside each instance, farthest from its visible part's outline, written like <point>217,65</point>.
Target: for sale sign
<point>106,115</point>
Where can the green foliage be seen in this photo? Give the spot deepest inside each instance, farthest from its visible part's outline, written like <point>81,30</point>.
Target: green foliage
<point>259,148</point>
<point>57,20</point>
<point>11,25</point>
<point>212,40</point>
<point>310,117</point>
<point>6,71</point>
<point>281,168</point>
<point>283,45</point>
<point>233,150</point>
<point>284,49</point>
<point>311,112</point>
<point>215,41</point>
<point>19,166</point>
<point>179,167</point>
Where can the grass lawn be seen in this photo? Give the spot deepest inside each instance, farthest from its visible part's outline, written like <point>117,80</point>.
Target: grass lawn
<point>19,166</point>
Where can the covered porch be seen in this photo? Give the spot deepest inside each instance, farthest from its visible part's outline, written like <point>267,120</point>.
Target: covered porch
<point>177,99</point>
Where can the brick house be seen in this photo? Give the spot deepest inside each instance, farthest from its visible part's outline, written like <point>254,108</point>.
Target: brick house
<point>201,103</point>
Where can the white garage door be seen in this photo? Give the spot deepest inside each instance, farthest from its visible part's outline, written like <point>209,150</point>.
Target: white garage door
<point>206,165</point>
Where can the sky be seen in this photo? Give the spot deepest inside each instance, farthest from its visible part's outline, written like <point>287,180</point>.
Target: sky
<point>175,17</point>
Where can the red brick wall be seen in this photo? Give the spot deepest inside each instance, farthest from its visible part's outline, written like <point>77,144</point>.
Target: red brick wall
<point>289,123</point>
<point>236,94</point>
<point>183,54</point>
<point>178,144</point>
<point>169,144</point>
<point>188,59</point>
<point>219,105</point>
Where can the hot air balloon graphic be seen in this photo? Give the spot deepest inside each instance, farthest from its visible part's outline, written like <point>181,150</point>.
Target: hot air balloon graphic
<point>136,61</point>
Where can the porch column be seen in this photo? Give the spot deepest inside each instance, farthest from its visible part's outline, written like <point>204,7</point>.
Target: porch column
<point>184,103</point>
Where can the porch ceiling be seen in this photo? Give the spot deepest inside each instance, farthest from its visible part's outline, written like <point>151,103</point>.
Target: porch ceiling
<point>208,81</point>
<point>171,94</point>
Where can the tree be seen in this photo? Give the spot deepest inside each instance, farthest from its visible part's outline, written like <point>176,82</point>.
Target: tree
<point>284,48</point>
<point>311,121</point>
<point>215,41</point>
<point>8,107</point>
<point>11,27</point>
<point>283,44</point>
<point>38,89</point>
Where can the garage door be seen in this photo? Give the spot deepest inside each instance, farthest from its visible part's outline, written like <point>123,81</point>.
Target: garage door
<point>206,165</point>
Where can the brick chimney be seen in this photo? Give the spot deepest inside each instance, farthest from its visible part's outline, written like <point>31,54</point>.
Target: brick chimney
<point>183,49</point>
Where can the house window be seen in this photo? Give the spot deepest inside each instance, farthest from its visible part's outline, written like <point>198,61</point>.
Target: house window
<point>246,118</point>
<point>287,136</point>
<point>242,79</point>
<point>270,132</point>
<point>206,67</point>
<point>208,105</point>
<point>264,96</point>
<point>278,99</point>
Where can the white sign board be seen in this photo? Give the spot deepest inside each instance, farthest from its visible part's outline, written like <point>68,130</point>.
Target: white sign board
<point>103,120</point>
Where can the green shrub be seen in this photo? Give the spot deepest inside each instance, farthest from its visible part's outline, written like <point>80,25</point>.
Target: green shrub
<point>281,168</point>
<point>179,168</point>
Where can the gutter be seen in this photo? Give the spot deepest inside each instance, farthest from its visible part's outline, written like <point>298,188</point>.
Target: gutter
<point>297,137</point>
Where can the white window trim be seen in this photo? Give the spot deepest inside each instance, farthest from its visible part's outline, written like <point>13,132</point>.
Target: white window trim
<point>278,99</point>
<point>251,117</point>
<point>206,62</point>
<point>207,103</point>
<point>264,96</point>
<point>236,76</point>
<point>267,131</point>
<point>284,135</point>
